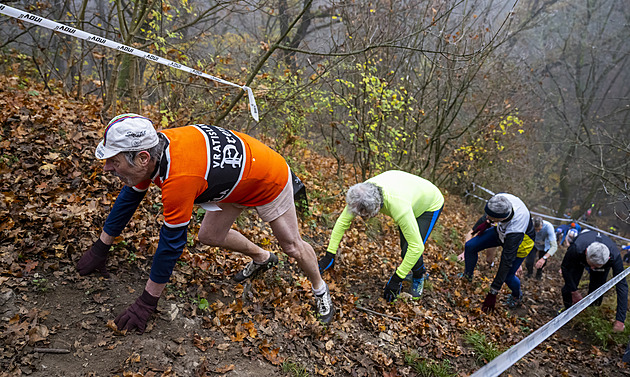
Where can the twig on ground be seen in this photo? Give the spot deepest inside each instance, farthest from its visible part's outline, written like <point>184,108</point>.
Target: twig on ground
<point>377,313</point>
<point>51,350</point>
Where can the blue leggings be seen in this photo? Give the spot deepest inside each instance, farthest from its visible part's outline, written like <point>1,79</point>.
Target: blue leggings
<point>426,222</point>
<point>486,240</point>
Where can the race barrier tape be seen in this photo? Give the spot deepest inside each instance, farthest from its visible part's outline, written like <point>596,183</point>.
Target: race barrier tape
<point>475,196</point>
<point>482,188</point>
<point>547,216</point>
<point>517,351</point>
<point>55,26</point>
<point>582,224</point>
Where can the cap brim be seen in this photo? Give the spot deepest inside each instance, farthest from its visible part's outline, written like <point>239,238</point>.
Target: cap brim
<point>103,153</point>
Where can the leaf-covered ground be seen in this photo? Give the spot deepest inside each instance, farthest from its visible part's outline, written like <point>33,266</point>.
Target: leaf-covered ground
<point>54,199</point>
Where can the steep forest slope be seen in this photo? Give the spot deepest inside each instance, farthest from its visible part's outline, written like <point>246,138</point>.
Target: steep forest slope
<point>54,198</point>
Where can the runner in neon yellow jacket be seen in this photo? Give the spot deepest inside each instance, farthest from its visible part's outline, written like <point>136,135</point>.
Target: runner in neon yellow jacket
<point>415,205</point>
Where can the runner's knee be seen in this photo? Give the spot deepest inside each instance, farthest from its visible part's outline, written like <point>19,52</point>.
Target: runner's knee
<point>212,238</point>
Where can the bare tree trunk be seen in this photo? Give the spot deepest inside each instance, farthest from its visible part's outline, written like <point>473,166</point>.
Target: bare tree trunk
<point>128,30</point>
<point>588,200</point>
<point>565,187</point>
<point>111,96</point>
<point>300,34</point>
<point>80,26</point>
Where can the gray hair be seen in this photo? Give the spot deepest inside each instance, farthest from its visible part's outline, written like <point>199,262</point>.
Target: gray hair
<point>498,207</point>
<point>155,152</point>
<point>538,222</point>
<point>597,254</point>
<point>364,199</point>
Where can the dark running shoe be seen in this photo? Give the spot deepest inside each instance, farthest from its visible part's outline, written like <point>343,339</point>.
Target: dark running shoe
<point>539,274</point>
<point>252,269</point>
<point>417,286</point>
<point>513,302</point>
<point>325,307</point>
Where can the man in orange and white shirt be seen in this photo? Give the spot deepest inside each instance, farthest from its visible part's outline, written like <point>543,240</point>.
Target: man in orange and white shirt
<point>222,171</point>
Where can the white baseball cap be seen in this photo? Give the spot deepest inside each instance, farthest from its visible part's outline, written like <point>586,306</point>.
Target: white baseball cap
<point>126,133</point>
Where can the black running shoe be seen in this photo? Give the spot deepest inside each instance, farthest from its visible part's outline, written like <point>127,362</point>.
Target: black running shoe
<point>252,269</point>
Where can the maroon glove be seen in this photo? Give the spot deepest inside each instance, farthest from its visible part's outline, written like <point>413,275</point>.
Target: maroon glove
<point>481,225</point>
<point>489,302</point>
<point>94,259</point>
<point>576,297</point>
<point>138,313</point>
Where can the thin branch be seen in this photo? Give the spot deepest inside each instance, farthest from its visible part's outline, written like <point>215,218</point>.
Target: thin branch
<point>51,350</point>
<point>377,313</point>
<point>262,62</point>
